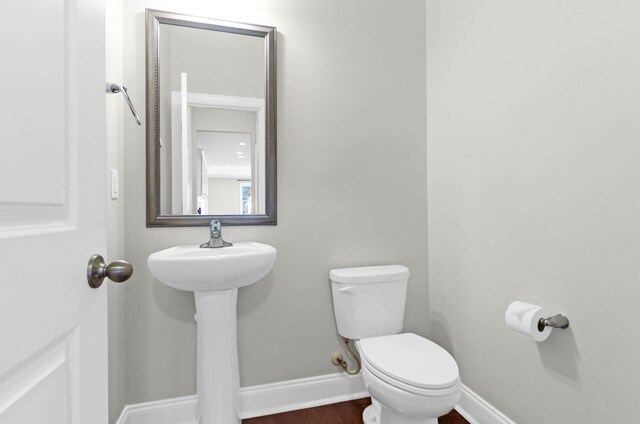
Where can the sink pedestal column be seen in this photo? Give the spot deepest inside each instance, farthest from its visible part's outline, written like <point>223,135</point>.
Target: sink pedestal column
<point>218,379</point>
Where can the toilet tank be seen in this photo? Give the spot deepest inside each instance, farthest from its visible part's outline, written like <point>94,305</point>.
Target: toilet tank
<point>369,301</point>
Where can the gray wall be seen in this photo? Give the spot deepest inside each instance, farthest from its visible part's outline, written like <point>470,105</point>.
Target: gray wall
<point>351,190</point>
<point>237,68</point>
<point>533,160</point>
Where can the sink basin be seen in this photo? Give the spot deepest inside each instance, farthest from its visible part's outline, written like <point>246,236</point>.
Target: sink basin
<point>214,275</point>
<point>195,269</point>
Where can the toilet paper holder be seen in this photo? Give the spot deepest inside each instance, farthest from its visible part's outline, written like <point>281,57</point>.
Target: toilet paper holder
<point>556,321</point>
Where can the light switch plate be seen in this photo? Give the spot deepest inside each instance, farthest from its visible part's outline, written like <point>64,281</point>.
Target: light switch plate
<point>115,189</point>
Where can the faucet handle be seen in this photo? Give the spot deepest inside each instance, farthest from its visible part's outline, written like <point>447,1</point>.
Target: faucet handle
<point>216,227</point>
<point>215,239</point>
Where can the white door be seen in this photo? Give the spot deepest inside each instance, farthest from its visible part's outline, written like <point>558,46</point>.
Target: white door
<point>53,338</point>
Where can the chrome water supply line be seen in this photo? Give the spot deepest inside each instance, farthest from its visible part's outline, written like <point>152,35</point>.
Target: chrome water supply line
<point>337,359</point>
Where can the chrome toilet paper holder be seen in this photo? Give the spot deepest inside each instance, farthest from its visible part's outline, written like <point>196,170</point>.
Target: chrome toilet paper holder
<point>556,321</point>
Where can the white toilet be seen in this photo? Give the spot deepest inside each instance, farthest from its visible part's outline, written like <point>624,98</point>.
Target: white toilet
<point>411,380</point>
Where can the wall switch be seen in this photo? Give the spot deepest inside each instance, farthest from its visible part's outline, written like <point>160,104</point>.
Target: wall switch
<point>114,184</point>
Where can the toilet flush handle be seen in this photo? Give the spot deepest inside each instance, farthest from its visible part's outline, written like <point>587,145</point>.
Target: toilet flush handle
<point>347,290</point>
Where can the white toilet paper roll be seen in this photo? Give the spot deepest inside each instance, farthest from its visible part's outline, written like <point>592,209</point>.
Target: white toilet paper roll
<point>523,318</point>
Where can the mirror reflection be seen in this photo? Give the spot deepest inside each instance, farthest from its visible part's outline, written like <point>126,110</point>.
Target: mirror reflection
<point>213,139</point>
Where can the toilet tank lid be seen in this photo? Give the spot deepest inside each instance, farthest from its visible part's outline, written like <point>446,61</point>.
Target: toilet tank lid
<point>369,274</point>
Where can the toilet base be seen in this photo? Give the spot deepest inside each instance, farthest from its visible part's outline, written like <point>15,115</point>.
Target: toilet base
<point>369,416</point>
<point>377,414</point>
<point>390,416</point>
<point>393,405</point>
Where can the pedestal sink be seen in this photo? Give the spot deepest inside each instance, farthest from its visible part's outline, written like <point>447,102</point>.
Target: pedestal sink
<point>214,276</point>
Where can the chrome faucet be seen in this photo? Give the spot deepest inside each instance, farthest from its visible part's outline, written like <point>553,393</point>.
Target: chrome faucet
<point>215,239</point>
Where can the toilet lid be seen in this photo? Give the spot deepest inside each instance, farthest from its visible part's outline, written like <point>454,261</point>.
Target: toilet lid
<point>411,359</point>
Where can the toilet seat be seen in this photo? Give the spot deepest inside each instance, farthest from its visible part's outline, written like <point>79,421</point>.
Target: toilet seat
<point>412,363</point>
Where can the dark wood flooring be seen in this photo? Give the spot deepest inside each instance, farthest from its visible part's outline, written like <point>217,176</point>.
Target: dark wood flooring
<point>337,413</point>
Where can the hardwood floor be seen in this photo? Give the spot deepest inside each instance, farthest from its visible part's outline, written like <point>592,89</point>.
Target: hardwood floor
<point>337,413</point>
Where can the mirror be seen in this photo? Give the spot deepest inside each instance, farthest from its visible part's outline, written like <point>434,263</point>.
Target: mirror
<point>211,121</point>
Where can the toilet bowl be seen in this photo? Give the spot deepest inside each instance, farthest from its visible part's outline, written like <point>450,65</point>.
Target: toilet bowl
<point>411,380</point>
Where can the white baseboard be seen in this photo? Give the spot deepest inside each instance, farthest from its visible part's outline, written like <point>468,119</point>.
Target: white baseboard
<point>268,399</point>
<point>477,410</point>
<point>168,411</point>
<point>254,401</point>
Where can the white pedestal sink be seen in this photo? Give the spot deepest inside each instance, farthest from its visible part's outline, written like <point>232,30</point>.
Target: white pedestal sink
<point>214,276</point>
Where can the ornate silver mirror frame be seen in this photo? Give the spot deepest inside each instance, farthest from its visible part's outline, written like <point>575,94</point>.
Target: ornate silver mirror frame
<point>154,216</point>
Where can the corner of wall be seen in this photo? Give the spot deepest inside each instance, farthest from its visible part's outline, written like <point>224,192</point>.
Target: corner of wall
<point>115,207</point>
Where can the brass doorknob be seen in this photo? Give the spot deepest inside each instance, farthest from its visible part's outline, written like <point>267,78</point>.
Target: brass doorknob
<point>116,271</point>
